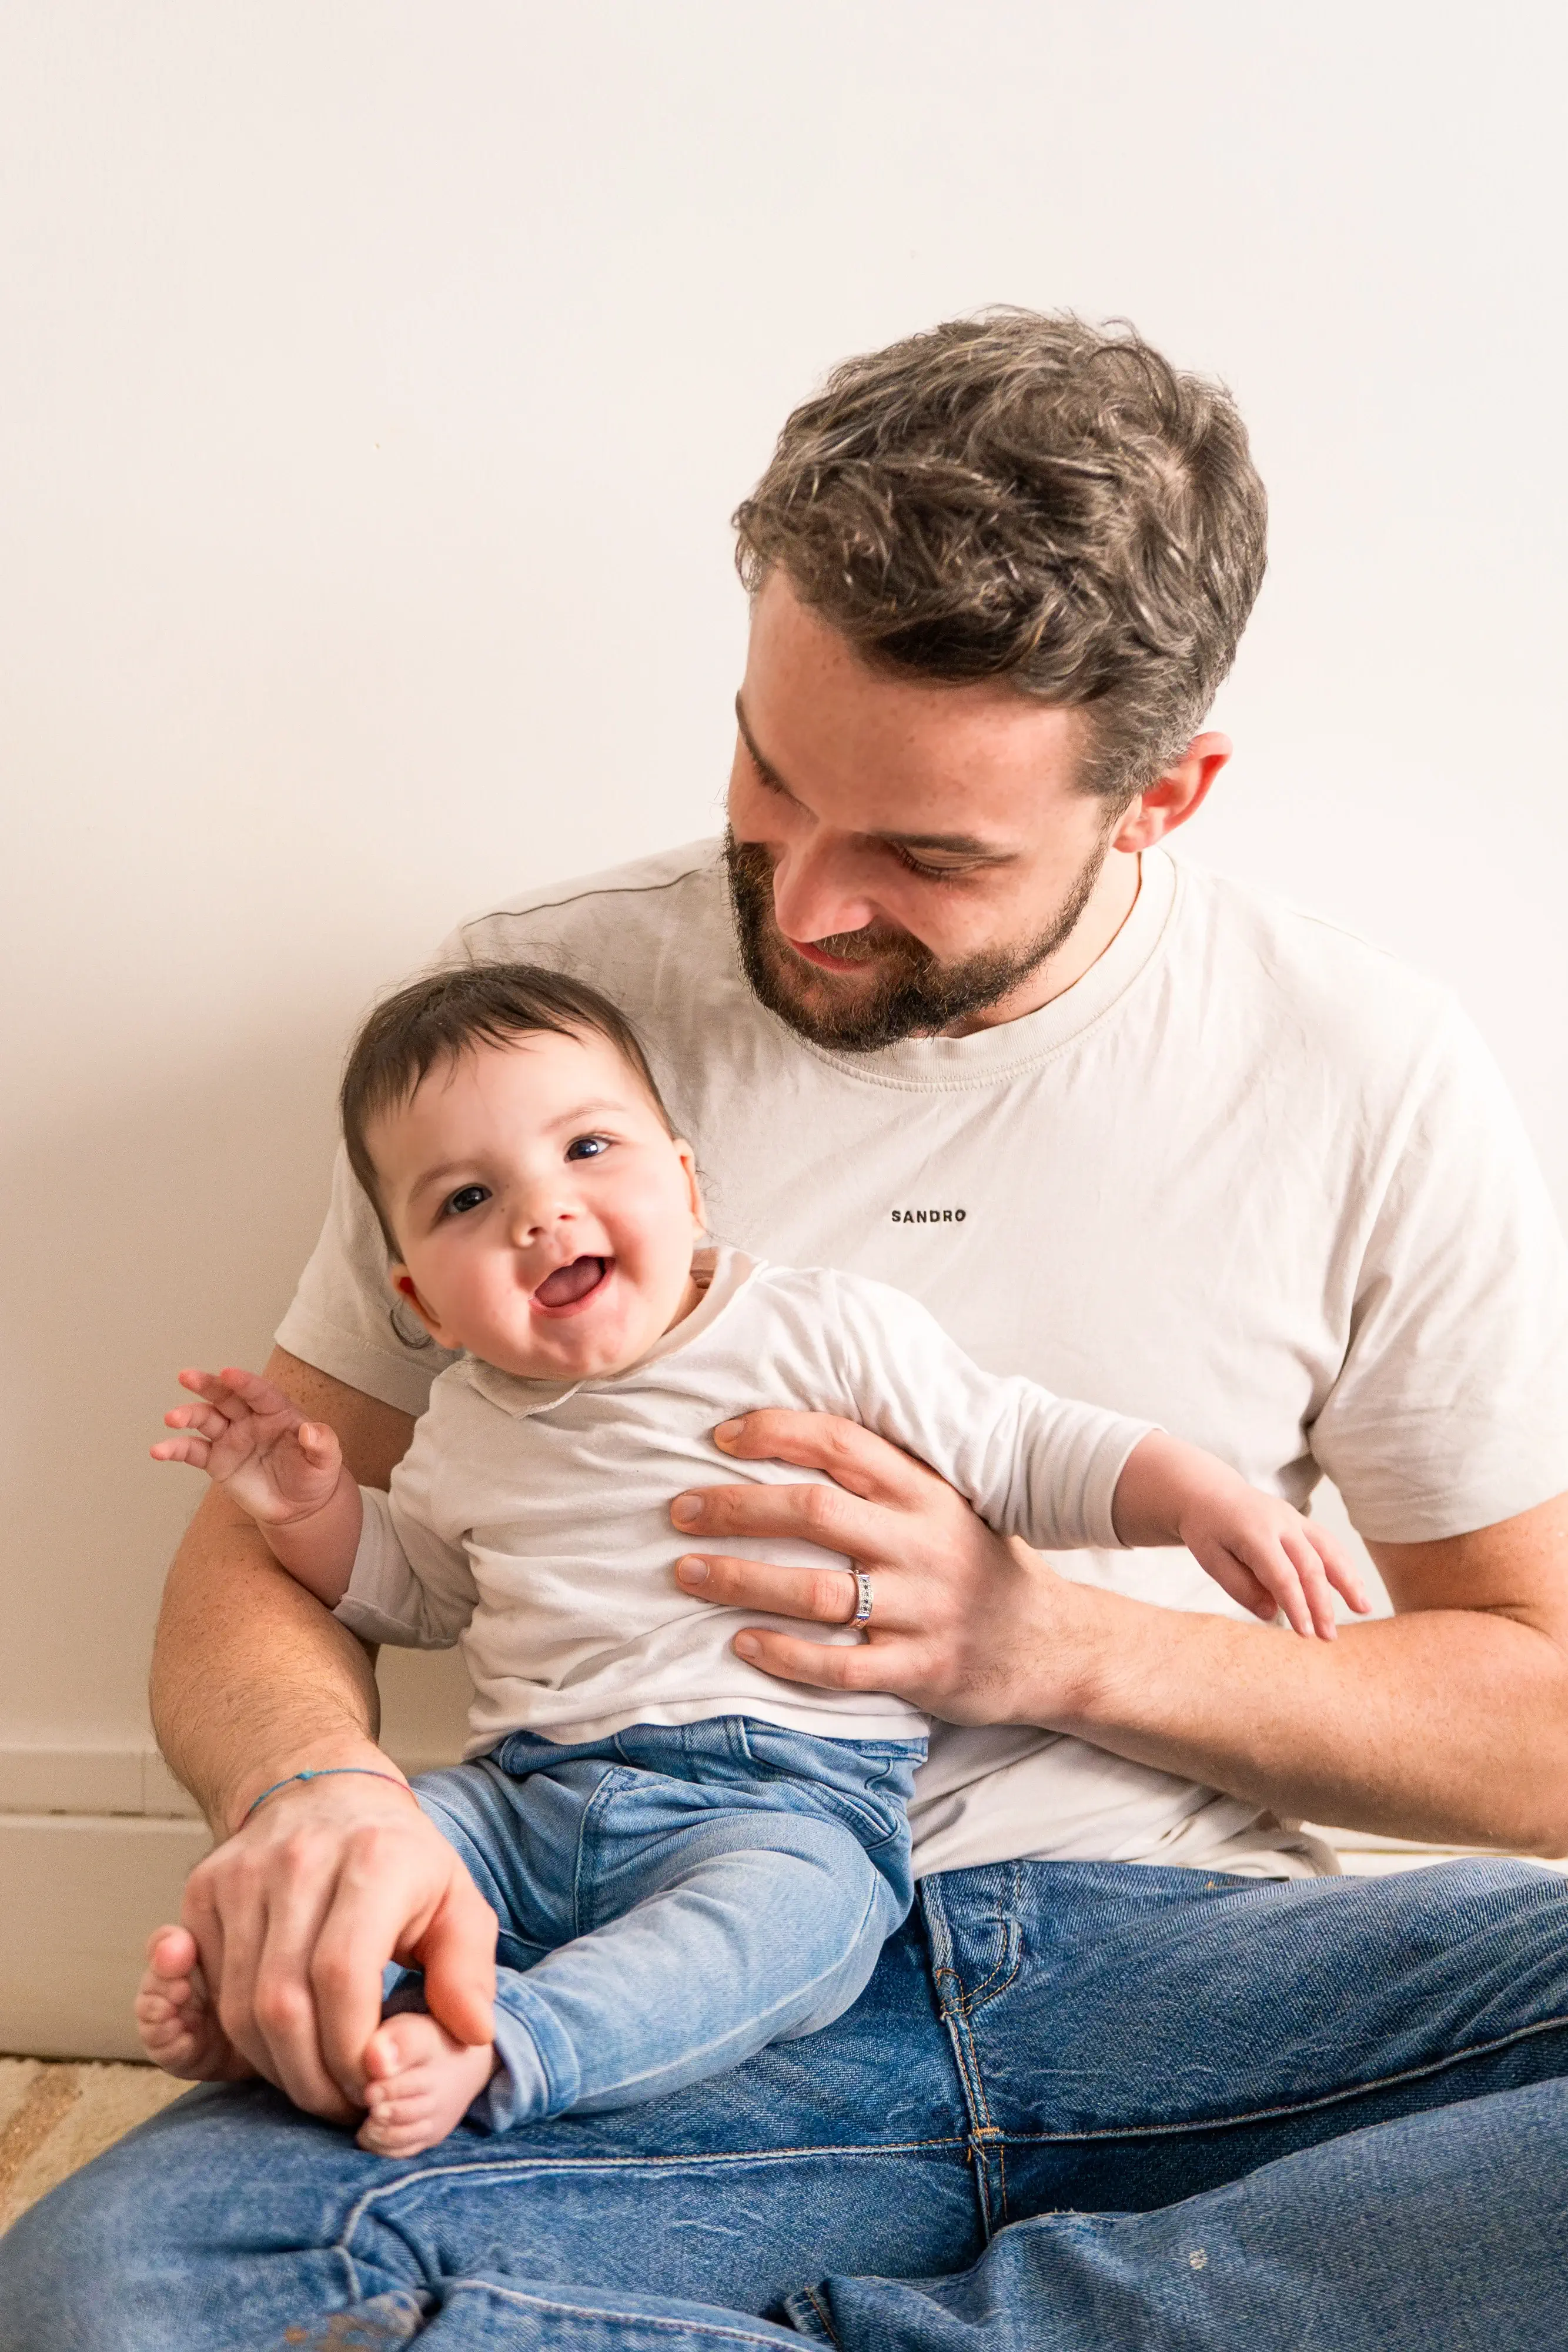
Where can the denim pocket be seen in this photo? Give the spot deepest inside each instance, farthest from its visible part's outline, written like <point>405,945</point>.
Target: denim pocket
<point>865,1786</point>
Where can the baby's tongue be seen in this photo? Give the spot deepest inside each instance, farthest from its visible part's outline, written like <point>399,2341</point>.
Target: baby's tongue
<point>570,1282</point>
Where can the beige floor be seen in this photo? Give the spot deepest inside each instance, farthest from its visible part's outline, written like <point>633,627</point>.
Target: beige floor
<point>54,2119</point>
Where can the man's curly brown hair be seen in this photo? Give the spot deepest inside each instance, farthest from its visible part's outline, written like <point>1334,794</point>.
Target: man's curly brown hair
<point>1022,496</point>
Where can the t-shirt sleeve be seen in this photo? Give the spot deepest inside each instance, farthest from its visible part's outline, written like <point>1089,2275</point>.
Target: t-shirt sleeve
<point>347,1319</point>
<point>1450,1412</point>
<point>412,1583</point>
<point>1033,1464</point>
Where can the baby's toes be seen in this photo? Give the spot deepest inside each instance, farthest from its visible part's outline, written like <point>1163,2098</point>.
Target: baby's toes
<point>170,1952</point>
<point>153,2006</point>
<point>401,2046</point>
<point>160,1997</point>
<point>170,2045</point>
<point>393,2133</point>
<point>409,2102</point>
<point>158,2017</point>
<point>158,2033</point>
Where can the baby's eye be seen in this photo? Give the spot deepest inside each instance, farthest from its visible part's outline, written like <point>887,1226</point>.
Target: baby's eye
<point>587,1146</point>
<point>468,1196</point>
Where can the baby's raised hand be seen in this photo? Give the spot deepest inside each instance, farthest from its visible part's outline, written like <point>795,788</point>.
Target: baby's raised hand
<point>254,1441</point>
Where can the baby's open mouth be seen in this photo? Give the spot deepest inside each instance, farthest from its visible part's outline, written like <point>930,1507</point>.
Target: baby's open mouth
<point>570,1282</point>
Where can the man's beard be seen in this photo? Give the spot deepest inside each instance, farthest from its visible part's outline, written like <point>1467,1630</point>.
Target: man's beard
<point>915,994</point>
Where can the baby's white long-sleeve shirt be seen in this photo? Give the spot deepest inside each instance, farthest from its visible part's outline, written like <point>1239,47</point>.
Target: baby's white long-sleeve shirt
<point>531,1521</point>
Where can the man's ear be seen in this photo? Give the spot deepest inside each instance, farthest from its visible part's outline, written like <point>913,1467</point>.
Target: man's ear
<point>402,1282</point>
<point>1179,794</point>
<point>688,1160</point>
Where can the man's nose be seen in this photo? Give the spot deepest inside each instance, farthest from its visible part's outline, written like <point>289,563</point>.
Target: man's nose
<point>816,892</point>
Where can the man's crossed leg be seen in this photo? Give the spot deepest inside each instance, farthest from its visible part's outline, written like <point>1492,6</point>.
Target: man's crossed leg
<point>1093,2103</point>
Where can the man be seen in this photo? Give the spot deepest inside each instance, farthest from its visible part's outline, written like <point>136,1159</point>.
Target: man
<point>1158,1143</point>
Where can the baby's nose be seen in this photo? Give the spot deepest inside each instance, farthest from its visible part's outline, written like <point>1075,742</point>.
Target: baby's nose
<point>536,1216</point>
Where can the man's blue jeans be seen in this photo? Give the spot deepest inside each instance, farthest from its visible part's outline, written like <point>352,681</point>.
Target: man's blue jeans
<point>672,1898</point>
<point>1079,2105</point>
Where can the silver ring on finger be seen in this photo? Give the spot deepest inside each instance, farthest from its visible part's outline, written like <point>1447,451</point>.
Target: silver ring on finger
<point>862,1597</point>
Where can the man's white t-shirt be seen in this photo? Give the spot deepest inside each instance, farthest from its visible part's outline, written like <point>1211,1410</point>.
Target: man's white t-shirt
<point>531,1519</point>
<point>1250,1179</point>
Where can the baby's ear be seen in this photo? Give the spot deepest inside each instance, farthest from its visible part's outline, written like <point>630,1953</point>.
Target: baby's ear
<point>402,1282</point>
<point>688,1160</point>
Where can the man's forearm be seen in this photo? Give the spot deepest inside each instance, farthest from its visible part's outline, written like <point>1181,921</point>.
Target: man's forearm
<point>252,1679</point>
<point>1444,1724</point>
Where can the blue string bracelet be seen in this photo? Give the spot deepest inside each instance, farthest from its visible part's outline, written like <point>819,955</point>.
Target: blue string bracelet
<point>323,1772</point>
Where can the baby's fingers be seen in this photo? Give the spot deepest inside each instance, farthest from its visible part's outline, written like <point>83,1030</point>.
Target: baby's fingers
<point>215,1390</point>
<point>187,1447</point>
<point>1284,1589</point>
<point>1233,1575</point>
<point>257,1395</point>
<point>182,1450</point>
<point>1340,1570</point>
<point>235,1392</point>
<point>202,1418</point>
<point>1304,1594</point>
<point>319,1443</point>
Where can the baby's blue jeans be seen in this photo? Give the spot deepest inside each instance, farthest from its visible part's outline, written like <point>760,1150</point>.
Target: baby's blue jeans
<point>672,1899</point>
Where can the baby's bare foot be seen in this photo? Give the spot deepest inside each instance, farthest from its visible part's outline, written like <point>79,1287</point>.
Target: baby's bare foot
<point>175,2018</point>
<point>420,2083</point>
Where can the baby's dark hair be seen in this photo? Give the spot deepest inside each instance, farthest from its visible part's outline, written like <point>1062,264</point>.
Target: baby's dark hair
<point>438,1018</point>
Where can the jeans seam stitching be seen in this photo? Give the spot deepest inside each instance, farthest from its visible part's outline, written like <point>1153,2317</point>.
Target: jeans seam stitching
<point>814,2299</point>
<point>1296,2106</point>
<point>955,2024</point>
<point>503,2168</point>
<point>983,2137</point>
<point>597,2311</point>
<point>352,2283</point>
<point>984,1991</point>
<point>956,2017</point>
<point>596,1805</point>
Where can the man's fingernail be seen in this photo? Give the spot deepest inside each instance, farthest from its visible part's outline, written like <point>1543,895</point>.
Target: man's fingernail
<point>725,1431</point>
<point>685,1511</point>
<point>748,1645</point>
<point>692,1571</point>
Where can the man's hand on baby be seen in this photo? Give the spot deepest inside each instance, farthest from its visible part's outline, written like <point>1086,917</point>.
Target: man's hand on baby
<point>254,1441</point>
<point>964,1627</point>
<point>293,1919</point>
<point>1256,1548</point>
<point>419,2080</point>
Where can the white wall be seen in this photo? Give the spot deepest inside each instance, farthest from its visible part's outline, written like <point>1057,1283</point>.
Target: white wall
<point>377,378</point>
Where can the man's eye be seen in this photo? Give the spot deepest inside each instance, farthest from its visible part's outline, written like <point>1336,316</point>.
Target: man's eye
<point>928,872</point>
<point>469,1197</point>
<point>587,1146</point>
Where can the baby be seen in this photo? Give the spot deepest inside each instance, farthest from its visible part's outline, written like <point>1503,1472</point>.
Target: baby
<point>687,1858</point>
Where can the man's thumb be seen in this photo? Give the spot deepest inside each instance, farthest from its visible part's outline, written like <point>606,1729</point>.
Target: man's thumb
<point>457,1953</point>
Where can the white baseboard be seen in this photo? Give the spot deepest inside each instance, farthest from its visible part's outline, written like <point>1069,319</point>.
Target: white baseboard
<point>126,1780</point>
<point>115,1781</point>
<point>83,1892</point>
<point>95,1846</point>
